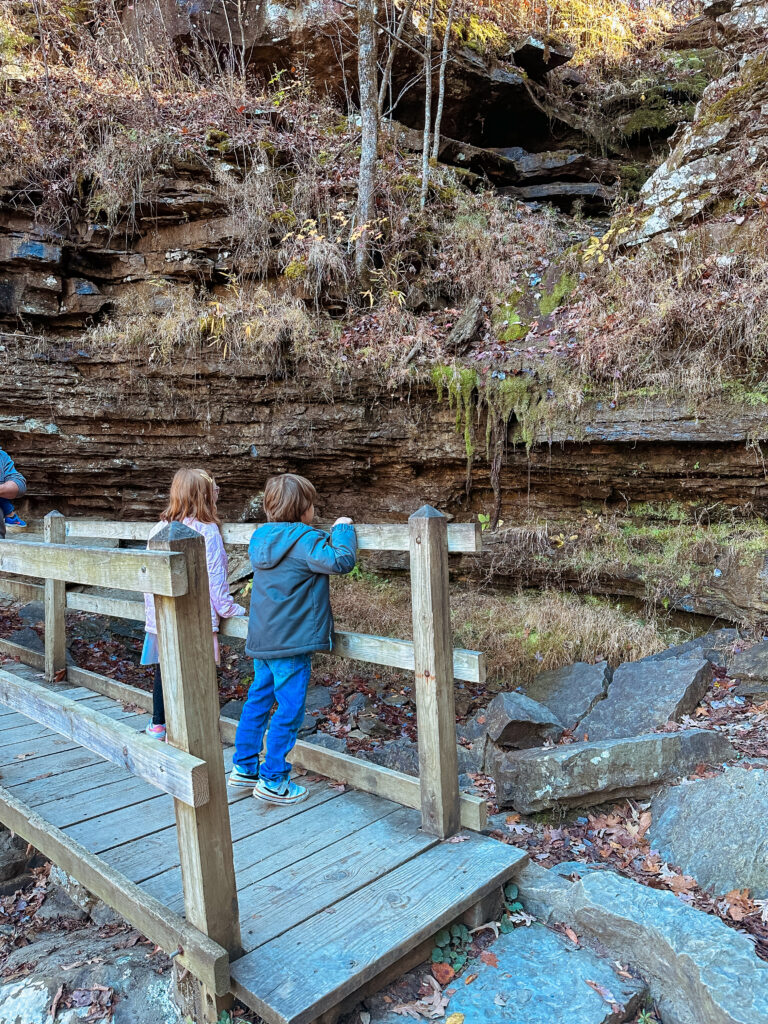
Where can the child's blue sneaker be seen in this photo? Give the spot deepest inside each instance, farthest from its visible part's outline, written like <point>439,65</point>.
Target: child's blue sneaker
<point>285,792</point>
<point>157,732</point>
<point>242,780</point>
<point>14,520</point>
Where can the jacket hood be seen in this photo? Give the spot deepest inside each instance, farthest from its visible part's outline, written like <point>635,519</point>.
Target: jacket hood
<point>271,542</point>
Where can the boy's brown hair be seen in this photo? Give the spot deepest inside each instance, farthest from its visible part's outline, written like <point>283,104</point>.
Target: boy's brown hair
<point>193,496</point>
<point>287,498</point>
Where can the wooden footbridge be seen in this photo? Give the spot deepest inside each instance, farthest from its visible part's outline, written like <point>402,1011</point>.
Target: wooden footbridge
<point>294,910</point>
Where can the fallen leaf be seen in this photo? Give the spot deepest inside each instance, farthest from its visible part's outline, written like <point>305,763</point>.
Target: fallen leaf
<point>60,676</point>
<point>458,839</point>
<point>443,973</point>
<point>55,1004</point>
<point>469,979</point>
<point>455,1018</point>
<point>606,995</point>
<point>572,936</point>
<point>489,958</point>
<point>23,757</point>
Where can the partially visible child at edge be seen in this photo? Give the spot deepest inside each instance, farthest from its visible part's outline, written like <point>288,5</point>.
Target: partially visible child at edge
<point>193,502</point>
<point>290,618</point>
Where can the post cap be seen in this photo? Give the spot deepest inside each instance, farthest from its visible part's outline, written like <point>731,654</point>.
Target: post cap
<point>174,532</point>
<point>427,512</point>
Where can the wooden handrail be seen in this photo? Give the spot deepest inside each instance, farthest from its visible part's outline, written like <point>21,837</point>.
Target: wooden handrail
<point>148,572</point>
<point>462,537</point>
<point>170,770</point>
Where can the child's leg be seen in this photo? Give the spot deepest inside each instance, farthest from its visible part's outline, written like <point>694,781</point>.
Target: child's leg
<point>6,507</point>
<point>291,680</point>
<point>158,705</point>
<point>249,738</point>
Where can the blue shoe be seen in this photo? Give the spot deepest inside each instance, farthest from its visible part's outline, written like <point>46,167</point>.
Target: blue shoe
<point>285,792</point>
<point>242,780</point>
<point>14,520</point>
<point>157,732</point>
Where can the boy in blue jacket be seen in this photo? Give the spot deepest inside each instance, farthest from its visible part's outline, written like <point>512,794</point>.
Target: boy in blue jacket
<point>290,617</point>
<point>12,485</point>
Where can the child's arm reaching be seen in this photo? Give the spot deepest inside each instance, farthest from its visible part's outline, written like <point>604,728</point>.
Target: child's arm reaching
<point>336,554</point>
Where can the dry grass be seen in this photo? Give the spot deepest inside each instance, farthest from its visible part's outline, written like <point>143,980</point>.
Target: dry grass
<point>520,634</point>
<point>684,322</point>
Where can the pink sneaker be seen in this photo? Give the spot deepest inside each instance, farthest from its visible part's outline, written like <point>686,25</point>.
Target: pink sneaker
<point>157,732</point>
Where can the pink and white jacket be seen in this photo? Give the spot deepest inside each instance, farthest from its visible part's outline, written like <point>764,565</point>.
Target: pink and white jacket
<point>222,605</point>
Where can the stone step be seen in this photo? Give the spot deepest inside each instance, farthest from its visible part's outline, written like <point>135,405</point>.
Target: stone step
<point>538,977</point>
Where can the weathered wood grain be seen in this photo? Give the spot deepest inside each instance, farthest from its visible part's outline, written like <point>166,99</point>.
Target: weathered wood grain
<point>203,957</point>
<point>462,537</point>
<point>337,869</point>
<point>261,854</point>
<point>192,708</point>
<point>173,771</point>
<point>294,978</point>
<point>55,600</point>
<point>435,709</point>
<point>141,571</point>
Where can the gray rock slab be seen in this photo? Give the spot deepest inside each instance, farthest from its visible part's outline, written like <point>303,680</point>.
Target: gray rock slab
<point>14,855</point>
<point>514,720</point>
<point>571,692</point>
<point>700,970</point>
<point>599,770</point>
<point>751,669</point>
<point>709,647</point>
<point>715,830</point>
<point>27,637</point>
<point>57,906</point>
<point>542,978</point>
<point>402,755</point>
<point>645,695</point>
<point>141,994</point>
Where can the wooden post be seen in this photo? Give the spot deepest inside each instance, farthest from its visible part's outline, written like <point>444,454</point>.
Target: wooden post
<point>55,532</point>
<point>433,657</point>
<point>192,712</point>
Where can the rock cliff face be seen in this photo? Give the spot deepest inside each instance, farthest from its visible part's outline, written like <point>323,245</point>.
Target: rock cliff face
<point>97,436</point>
<point>725,149</point>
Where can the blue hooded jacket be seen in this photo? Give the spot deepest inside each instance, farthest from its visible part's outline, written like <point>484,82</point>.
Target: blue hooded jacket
<point>290,602</point>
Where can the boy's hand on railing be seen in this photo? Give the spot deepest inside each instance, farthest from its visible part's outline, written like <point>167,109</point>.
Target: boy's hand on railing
<point>343,520</point>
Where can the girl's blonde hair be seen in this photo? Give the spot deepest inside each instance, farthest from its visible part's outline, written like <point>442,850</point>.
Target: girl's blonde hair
<point>193,496</point>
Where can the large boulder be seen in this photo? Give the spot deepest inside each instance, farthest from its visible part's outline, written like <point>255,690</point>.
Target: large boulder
<point>751,669</point>
<point>540,977</point>
<point>714,829</point>
<point>700,970</point>
<point>571,692</point>
<point>514,720</point>
<point>599,770</point>
<point>710,647</point>
<point>645,695</point>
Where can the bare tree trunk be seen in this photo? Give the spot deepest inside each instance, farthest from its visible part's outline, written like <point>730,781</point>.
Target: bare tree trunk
<point>393,48</point>
<point>427,104</point>
<point>367,71</point>
<point>441,87</point>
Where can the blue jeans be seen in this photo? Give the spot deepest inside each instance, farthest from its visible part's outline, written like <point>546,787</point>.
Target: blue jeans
<point>6,507</point>
<point>284,680</point>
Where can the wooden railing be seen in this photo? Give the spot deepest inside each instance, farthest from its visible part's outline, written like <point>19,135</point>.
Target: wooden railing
<point>429,539</point>
<point>189,767</point>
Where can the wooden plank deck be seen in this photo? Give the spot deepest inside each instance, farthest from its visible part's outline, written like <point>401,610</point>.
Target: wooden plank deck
<point>332,891</point>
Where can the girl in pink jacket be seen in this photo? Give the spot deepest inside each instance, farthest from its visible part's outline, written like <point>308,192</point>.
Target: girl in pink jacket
<point>193,502</point>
